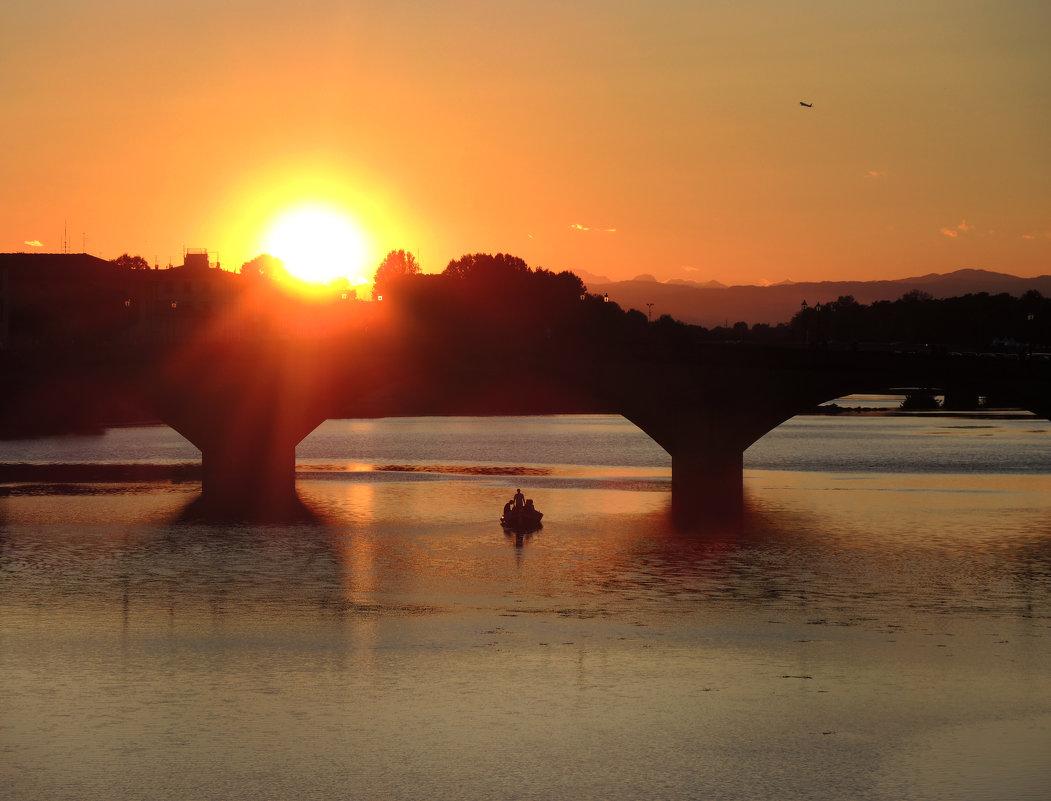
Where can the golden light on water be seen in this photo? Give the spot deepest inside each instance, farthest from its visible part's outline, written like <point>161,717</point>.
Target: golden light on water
<point>319,243</point>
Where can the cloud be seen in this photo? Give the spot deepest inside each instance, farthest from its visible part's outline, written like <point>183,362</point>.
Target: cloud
<point>579,227</point>
<point>34,243</point>
<point>876,174</point>
<point>688,269</point>
<point>955,232</point>
<point>1028,236</point>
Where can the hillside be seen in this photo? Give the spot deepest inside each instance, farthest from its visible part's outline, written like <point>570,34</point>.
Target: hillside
<point>714,306</point>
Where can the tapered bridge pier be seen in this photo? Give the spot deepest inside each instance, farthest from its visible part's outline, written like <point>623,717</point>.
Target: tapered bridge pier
<point>245,407</point>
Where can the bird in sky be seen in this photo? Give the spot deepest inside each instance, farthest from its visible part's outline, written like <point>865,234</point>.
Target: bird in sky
<point>807,105</point>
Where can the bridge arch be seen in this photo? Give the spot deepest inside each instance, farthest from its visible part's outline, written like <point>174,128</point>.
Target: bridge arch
<point>707,417</point>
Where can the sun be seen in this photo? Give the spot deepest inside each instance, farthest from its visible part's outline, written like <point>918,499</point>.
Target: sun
<point>317,244</point>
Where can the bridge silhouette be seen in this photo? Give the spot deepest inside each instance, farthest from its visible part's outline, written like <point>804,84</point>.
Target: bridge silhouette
<point>247,404</point>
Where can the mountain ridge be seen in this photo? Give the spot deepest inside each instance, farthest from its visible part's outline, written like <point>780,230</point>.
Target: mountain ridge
<point>710,306</point>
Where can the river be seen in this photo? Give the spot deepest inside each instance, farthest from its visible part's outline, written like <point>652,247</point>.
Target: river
<point>878,626</point>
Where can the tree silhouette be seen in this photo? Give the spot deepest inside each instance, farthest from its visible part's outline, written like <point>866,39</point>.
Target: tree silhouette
<point>396,265</point>
<point>263,266</point>
<point>484,268</point>
<point>131,262</point>
<point>978,321</point>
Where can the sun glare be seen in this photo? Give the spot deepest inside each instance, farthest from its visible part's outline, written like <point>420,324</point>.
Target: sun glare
<point>317,244</point>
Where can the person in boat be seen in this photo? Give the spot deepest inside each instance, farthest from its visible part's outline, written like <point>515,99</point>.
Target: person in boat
<point>508,507</point>
<point>519,499</point>
<point>529,506</point>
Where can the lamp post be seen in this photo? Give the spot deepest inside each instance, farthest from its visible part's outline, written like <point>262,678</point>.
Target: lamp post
<point>649,311</point>
<point>127,320</point>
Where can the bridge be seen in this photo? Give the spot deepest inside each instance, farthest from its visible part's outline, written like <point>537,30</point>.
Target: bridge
<point>247,403</point>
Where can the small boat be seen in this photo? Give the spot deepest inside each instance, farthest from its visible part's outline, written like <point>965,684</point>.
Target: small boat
<point>525,518</point>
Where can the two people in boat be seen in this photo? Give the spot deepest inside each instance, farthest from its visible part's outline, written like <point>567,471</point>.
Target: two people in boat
<point>518,503</point>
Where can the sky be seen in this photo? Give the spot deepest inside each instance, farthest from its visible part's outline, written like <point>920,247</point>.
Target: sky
<point>609,137</point>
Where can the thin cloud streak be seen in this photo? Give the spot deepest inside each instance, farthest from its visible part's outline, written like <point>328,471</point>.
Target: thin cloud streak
<point>579,227</point>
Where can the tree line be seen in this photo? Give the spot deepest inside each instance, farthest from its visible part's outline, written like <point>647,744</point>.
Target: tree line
<point>977,321</point>
<point>500,294</point>
<point>503,289</point>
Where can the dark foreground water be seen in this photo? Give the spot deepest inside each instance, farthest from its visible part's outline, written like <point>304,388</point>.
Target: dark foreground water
<point>878,626</point>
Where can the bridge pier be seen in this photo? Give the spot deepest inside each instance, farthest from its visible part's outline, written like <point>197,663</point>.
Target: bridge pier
<point>707,458</point>
<point>253,480</point>
<point>706,486</point>
<point>245,406</point>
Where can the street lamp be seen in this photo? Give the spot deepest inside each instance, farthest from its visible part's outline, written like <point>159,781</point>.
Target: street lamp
<point>171,322</point>
<point>649,311</point>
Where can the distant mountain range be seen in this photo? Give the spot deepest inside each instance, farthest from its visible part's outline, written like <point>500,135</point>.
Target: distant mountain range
<point>713,304</point>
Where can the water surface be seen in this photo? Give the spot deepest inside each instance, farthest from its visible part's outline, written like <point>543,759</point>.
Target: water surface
<point>877,627</point>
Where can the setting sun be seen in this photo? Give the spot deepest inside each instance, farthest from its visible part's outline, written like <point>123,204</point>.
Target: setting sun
<point>318,244</point>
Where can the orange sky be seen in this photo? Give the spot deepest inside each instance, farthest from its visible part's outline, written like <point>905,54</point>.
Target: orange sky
<point>612,137</point>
